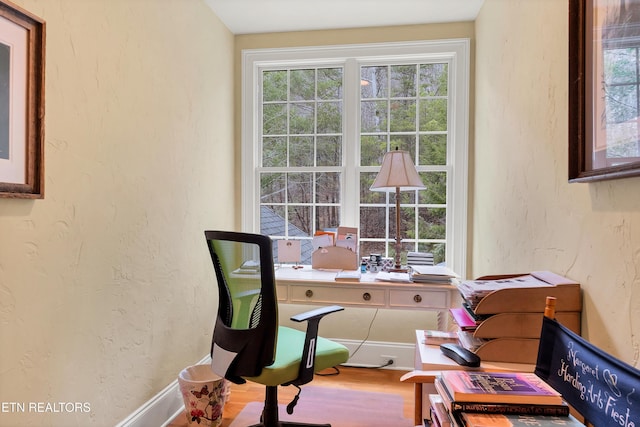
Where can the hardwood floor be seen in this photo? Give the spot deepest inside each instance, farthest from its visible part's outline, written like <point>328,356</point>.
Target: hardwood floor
<point>378,380</point>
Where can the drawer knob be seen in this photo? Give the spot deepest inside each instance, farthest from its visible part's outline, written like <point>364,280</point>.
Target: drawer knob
<point>309,293</point>
<point>417,298</point>
<point>366,296</point>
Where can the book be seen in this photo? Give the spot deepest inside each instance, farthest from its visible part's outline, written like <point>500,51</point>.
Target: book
<point>432,337</point>
<point>439,413</point>
<point>561,410</point>
<point>499,387</point>
<point>510,420</point>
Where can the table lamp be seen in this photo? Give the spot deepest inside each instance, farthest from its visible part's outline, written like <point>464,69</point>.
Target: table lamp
<point>397,173</point>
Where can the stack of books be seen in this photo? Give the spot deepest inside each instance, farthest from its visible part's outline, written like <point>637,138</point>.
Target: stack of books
<point>419,258</point>
<point>482,399</point>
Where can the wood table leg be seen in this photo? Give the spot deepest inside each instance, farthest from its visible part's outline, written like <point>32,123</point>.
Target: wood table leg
<point>417,411</point>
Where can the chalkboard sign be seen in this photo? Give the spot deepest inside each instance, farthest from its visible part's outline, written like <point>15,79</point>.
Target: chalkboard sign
<point>605,390</point>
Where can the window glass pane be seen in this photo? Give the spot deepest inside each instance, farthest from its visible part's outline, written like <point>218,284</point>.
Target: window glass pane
<point>328,187</point>
<point>272,187</point>
<point>274,119</point>
<point>272,221</point>
<point>329,149</point>
<point>366,195</point>
<point>300,217</point>
<point>403,81</point>
<point>368,248</point>
<point>373,116</point>
<point>302,118</point>
<point>403,116</point>
<point>436,191</point>
<point>327,217</point>
<point>433,115</point>
<point>432,223</point>
<point>372,222</point>
<point>329,117</point>
<point>299,187</point>
<point>274,85</point>
<point>407,222</point>
<point>434,79</point>
<point>437,249</point>
<point>433,149</point>
<point>303,85</point>
<point>330,83</point>
<point>274,151</point>
<point>373,82</point>
<point>301,151</point>
<point>372,149</point>
<point>404,142</point>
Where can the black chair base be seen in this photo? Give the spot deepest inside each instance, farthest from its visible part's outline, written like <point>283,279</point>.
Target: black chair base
<point>270,416</point>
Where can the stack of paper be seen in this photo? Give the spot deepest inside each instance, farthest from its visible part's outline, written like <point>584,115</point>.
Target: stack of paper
<point>432,274</point>
<point>474,290</point>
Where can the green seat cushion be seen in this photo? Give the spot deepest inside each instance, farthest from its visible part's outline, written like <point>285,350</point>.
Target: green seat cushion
<point>288,355</point>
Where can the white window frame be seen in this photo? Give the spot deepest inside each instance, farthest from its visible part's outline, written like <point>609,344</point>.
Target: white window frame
<point>455,52</point>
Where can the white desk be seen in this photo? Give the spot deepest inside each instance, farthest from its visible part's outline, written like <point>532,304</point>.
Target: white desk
<point>309,286</point>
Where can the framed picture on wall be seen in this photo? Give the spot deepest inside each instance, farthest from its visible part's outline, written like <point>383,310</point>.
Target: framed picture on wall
<point>604,89</point>
<point>22,45</point>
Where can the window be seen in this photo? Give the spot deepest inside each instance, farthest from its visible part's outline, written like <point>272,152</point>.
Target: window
<point>316,125</point>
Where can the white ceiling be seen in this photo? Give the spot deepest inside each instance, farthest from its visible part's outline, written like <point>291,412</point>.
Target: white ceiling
<point>265,16</point>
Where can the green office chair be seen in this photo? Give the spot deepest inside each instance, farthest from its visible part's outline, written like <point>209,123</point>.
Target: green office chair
<point>248,344</point>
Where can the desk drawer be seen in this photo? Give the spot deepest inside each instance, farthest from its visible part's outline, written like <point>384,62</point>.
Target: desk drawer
<point>419,298</point>
<point>282,292</point>
<point>338,295</point>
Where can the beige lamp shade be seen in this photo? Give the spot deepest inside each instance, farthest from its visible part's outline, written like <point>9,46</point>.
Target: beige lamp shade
<point>397,172</point>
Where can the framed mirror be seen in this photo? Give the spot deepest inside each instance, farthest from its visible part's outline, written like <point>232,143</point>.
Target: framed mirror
<point>604,89</point>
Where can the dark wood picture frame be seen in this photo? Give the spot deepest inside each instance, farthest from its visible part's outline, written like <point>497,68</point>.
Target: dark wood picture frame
<point>24,132</point>
<point>584,131</point>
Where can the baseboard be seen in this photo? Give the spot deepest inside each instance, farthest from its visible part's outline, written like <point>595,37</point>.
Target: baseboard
<point>161,409</point>
<point>376,353</point>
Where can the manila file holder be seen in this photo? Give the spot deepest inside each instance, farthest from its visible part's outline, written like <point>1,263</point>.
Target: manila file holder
<point>334,258</point>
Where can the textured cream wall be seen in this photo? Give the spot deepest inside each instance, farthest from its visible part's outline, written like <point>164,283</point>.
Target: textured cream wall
<point>525,214</point>
<point>106,285</point>
<point>355,323</point>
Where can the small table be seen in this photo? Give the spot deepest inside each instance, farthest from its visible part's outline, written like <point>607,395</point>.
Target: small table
<point>308,286</point>
<point>430,361</point>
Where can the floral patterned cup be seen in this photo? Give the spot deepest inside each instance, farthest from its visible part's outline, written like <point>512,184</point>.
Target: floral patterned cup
<point>204,394</point>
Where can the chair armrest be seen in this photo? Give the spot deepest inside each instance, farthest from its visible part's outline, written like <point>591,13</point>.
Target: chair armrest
<point>307,362</point>
<point>318,313</point>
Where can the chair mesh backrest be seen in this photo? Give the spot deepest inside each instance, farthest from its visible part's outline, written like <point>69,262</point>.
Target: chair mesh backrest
<point>247,313</point>
<point>603,389</point>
